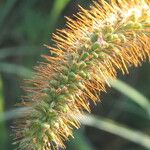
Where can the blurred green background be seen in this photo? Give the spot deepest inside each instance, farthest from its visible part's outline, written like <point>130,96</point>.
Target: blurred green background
<point>120,122</point>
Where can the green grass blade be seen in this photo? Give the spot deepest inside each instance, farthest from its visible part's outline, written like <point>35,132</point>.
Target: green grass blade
<point>7,9</point>
<point>79,142</point>
<point>1,98</point>
<point>132,93</point>
<point>18,51</point>
<point>15,69</point>
<point>58,7</point>
<point>13,114</point>
<point>3,131</point>
<point>111,126</point>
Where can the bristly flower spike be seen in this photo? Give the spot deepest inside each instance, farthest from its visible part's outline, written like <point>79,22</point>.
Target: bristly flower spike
<point>100,41</point>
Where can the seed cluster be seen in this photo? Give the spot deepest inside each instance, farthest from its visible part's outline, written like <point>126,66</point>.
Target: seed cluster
<point>102,40</point>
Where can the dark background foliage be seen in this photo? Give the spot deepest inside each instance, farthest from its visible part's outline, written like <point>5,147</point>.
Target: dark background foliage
<point>25,25</point>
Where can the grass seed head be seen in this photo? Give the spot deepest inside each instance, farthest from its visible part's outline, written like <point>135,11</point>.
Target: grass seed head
<point>88,52</point>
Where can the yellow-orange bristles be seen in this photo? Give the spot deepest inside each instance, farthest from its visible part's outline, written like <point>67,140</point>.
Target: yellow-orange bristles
<point>102,40</point>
